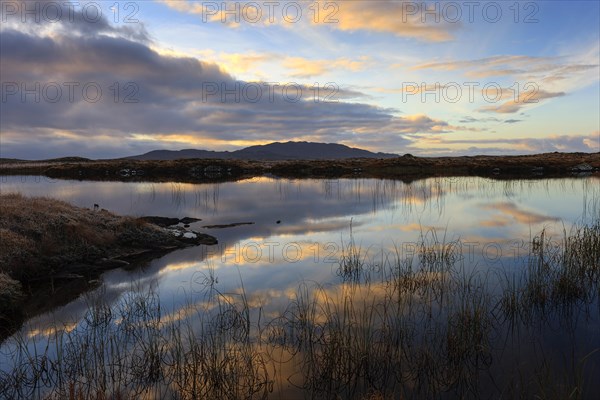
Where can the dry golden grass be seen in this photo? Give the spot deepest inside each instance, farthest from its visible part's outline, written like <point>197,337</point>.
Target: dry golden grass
<point>46,228</point>
<point>37,230</point>
<point>42,237</point>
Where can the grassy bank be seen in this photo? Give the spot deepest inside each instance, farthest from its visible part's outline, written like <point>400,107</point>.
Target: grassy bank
<point>406,168</point>
<point>421,327</point>
<point>46,244</point>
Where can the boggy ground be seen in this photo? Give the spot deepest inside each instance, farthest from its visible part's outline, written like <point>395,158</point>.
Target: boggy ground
<point>406,168</point>
<point>51,251</point>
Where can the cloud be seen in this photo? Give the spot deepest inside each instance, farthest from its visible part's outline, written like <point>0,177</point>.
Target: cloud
<point>525,98</point>
<point>403,19</point>
<point>395,18</point>
<point>483,64</point>
<point>522,81</point>
<point>237,63</point>
<point>305,68</point>
<point>559,73</point>
<point>470,120</point>
<point>510,212</point>
<point>174,101</point>
<point>502,145</point>
<point>60,18</point>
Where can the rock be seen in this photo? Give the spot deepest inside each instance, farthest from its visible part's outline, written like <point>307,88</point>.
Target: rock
<point>160,221</point>
<point>582,168</point>
<point>189,220</point>
<point>227,225</point>
<point>203,238</point>
<point>192,237</point>
<point>177,232</point>
<point>186,225</point>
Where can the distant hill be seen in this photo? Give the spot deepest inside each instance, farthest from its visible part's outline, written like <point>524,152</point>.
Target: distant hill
<point>271,151</point>
<point>181,154</point>
<point>56,160</point>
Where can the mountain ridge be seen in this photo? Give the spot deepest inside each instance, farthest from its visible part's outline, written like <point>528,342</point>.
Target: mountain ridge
<point>273,151</point>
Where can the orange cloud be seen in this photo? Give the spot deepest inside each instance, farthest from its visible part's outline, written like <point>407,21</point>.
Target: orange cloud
<point>512,210</point>
<point>398,18</point>
<point>305,68</point>
<point>390,17</point>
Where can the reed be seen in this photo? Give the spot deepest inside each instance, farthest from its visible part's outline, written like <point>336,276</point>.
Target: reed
<point>423,326</point>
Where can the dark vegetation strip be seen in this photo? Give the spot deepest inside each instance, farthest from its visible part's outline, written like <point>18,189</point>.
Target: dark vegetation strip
<point>406,168</point>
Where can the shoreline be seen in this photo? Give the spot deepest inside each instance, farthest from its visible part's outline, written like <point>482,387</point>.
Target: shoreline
<point>52,251</point>
<point>407,168</point>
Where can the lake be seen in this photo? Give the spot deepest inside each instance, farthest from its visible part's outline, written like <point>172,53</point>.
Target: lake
<point>321,269</point>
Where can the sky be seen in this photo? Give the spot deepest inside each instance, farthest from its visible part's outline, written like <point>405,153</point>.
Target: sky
<point>107,79</point>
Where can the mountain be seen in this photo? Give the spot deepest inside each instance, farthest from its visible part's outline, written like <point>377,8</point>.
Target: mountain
<point>271,151</point>
<point>180,154</point>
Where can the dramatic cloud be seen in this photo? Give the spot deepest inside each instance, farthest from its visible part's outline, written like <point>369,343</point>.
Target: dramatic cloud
<point>59,18</point>
<point>102,89</point>
<point>107,88</point>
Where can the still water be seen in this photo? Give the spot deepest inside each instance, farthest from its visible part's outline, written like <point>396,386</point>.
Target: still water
<point>302,229</point>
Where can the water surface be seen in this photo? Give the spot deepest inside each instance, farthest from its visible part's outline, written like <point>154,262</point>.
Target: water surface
<point>302,228</point>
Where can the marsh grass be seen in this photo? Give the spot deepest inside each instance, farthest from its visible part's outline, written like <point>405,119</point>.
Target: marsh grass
<point>42,236</point>
<point>418,327</point>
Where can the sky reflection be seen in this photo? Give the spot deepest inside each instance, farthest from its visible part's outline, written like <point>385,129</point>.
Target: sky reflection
<point>493,220</point>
